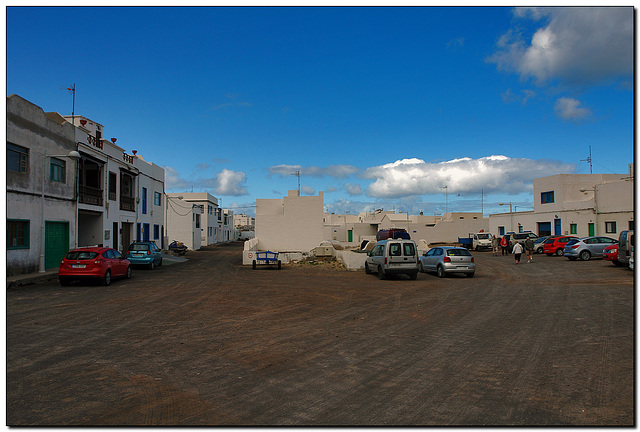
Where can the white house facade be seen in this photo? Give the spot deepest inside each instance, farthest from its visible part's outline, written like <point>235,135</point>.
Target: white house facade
<point>120,197</point>
<point>41,185</point>
<point>574,204</point>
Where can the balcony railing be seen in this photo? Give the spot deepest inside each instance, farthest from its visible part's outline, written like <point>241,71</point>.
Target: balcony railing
<point>127,203</point>
<point>91,195</point>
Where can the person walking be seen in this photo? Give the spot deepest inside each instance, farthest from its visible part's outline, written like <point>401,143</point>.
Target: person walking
<point>503,245</point>
<point>494,245</point>
<point>528,245</point>
<point>517,251</point>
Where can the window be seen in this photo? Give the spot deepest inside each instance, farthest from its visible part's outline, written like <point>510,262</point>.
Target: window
<point>573,228</point>
<point>113,178</point>
<point>501,230</point>
<point>57,170</point>
<point>17,234</point>
<point>144,200</point>
<point>17,158</point>
<point>157,198</point>
<point>610,227</point>
<point>394,249</point>
<point>409,250</point>
<point>547,197</point>
<point>156,232</point>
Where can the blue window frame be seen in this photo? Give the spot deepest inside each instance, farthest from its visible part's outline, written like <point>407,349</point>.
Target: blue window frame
<point>547,197</point>
<point>144,200</point>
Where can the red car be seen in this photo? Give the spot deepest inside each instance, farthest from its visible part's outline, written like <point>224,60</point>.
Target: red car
<point>556,244</point>
<point>610,253</point>
<point>93,263</point>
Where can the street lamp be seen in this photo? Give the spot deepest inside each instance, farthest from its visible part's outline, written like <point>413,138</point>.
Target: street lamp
<point>73,155</point>
<point>511,215</point>
<point>595,204</point>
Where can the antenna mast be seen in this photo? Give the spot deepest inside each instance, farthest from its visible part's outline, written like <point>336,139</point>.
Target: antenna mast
<point>588,160</point>
<point>297,174</point>
<point>72,90</point>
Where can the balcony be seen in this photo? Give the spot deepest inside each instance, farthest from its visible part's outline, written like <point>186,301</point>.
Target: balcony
<point>91,195</point>
<point>127,203</point>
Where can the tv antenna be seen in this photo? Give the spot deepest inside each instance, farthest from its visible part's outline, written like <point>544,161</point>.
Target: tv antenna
<point>72,91</point>
<point>588,160</point>
<point>297,174</point>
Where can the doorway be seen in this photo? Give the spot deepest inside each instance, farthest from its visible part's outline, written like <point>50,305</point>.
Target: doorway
<point>56,243</point>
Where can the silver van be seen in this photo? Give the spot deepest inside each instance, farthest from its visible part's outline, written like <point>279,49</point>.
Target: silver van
<point>393,257</point>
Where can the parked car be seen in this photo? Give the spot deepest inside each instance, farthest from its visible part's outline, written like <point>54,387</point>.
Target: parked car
<point>610,253</point>
<point>93,263</point>
<point>556,244</point>
<point>587,247</point>
<point>393,233</point>
<point>520,238</point>
<point>538,244</point>
<point>393,257</point>
<point>631,260</point>
<point>145,253</point>
<point>446,260</point>
<point>625,245</point>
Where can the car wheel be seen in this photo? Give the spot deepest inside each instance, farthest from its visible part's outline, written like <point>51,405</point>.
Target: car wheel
<point>440,272</point>
<point>560,252</point>
<point>585,255</point>
<point>420,268</point>
<point>106,280</point>
<point>470,275</point>
<point>367,270</point>
<point>151,265</point>
<point>128,275</point>
<point>380,273</point>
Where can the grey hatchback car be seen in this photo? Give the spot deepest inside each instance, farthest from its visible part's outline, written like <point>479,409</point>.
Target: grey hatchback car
<point>586,248</point>
<point>448,260</point>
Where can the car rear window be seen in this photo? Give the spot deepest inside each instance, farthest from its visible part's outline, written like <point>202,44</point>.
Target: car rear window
<point>571,242</point>
<point>458,252</point>
<point>81,255</point>
<point>139,247</point>
<point>409,249</point>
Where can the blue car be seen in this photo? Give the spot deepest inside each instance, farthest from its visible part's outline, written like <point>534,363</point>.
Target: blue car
<point>145,253</point>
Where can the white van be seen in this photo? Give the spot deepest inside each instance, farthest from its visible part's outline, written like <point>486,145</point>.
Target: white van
<point>393,257</point>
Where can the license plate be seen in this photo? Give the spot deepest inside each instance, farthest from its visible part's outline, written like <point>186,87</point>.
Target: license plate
<point>137,254</point>
<point>78,266</point>
<point>463,267</point>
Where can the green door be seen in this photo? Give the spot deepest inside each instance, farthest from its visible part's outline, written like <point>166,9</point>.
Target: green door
<point>350,234</point>
<point>592,230</point>
<point>56,243</point>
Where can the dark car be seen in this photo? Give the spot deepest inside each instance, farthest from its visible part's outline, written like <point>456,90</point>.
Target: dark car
<point>93,263</point>
<point>145,253</point>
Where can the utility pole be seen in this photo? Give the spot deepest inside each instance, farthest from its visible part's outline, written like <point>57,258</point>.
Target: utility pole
<point>72,90</point>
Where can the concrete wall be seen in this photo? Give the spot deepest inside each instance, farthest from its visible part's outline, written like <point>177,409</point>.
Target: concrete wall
<point>28,126</point>
<point>293,223</point>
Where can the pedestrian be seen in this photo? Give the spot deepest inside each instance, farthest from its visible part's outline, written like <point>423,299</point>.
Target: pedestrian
<point>503,244</point>
<point>494,245</point>
<point>517,251</point>
<point>528,245</point>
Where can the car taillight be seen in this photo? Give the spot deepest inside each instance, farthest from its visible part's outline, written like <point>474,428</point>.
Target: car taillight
<point>575,247</point>
<point>447,259</point>
<point>473,259</point>
<point>148,252</point>
<point>385,261</point>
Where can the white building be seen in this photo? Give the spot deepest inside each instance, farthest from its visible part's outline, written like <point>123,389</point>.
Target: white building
<point>211,219</point>
<point>228,229</point>
<point>578,204</point>
<point>184,221</point>
<point>120,196</point>
<point>36,146</point>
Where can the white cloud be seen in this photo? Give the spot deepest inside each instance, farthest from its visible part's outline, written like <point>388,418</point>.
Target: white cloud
<point>173,180</point>
<point>230,183</point>
<point>353,189</point>
<point>570,109</point>
<point>575,45</point>
<point>409,177</point>
<point>308,190</point>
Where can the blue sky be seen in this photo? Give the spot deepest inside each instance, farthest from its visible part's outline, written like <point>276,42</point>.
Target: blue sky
<point>423,108</point>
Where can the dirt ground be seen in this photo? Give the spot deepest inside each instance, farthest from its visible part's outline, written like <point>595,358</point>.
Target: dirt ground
<point>212,342</point>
